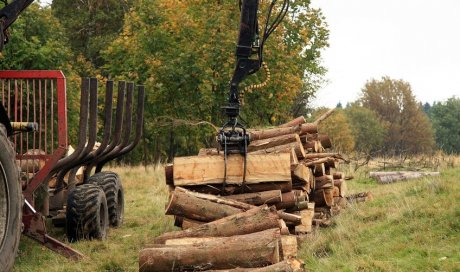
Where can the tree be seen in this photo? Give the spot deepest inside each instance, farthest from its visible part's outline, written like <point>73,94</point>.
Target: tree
<point>184,52</point>
<point>368,131</point>
<point>337,128</point>
<point>409,129</point>
<point>91,25</point>
<point>446,119</point>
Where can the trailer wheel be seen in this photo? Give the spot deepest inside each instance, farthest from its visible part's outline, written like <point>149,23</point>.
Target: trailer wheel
<point>10,203</point>
<point>110,182</point>
<point>86,213</point>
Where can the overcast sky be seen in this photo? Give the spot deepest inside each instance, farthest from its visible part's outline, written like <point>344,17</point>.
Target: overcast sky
<point>414,40</point>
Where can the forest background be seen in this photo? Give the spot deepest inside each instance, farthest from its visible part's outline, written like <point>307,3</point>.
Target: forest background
<point>183,52</point>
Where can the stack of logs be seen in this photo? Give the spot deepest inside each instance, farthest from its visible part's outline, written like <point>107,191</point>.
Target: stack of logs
<point>247,216</point>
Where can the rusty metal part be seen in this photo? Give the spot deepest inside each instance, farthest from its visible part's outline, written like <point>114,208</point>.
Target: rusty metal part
<point>35,228</point>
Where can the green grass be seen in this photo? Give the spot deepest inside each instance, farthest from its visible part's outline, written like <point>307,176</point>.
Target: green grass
<point>410,226</point>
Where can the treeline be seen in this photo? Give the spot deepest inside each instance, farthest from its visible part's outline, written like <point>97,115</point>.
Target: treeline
<point>182,51</point>
<point>388,120</point>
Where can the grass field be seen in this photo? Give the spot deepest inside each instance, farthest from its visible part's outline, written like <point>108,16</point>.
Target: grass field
<point>410,226</point>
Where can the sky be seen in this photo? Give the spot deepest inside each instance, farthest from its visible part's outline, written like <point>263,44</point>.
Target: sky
<point>414,40</point>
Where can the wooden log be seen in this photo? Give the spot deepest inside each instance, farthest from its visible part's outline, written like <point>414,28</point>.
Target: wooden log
<point>192,207</point>
<point>389,177</point>
<point>308,128</point>
<point>286,148</point>
<point>297,121</point>
<point>186,223</point>
<point>302,174</point>
<point>260,249</point>
<point>234,189</point>
<point>288,247</point>
<point>342,184</point>
<point>261,134</point>
<point>324,182</point>
<point>320,170</point>
<point>306,221</point>
<point>284,230</point>
<point>324,116</point>
<point>289,217</point>
<point>338,175</point>
<point>254,220</point>
<point>220,200</point>
<point>272,142</point>
<point>289,200</point>
<point>335,192</point>
<point>169,174</point>
<point>321,155</point>
<point>312,146</point>
<point>201,170</point>
<point>325,140</point>
<point>290,265</point>
<point>323,197</point>
<point>266,197</point>
<point>294,159</point>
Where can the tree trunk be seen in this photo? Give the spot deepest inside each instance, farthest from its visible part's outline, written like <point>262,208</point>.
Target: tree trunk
<point>189,206</point>
<point>308,128</point>
<point>266,197</point>
<point>324,116</point>
<point>220,200</point>
<point>271,133</point>
<point>169,170</point>
<point>272,142</point>
<point>286,148</point>
<point>257,219</point>
<point>297,121</point>
<point>324,182</point>
<point>325,140</point>
<point>289,217</point>
<point>251,250</point>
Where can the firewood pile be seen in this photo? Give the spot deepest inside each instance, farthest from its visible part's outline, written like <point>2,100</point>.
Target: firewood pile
<point>240,218</point>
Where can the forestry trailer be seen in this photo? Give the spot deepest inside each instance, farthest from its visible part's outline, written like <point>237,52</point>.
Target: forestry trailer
<point>41,175</point>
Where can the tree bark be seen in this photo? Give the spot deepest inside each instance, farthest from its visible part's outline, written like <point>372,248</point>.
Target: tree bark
<point>286,148</point>
<point>254,220</point>
<point>266,197</point>
<point>324,116</point>
<point>308,128</point>
<point>220,200</point>
<point>189,206</point>
<point>297,121</point>
<point>272,142</point>
<point>290,265</point>
<point>271,132</point>
<point>250,250</point>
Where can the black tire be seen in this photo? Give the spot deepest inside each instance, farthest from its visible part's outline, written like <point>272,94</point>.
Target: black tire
<point>86,214</point>
<point>10,203</point>
<point>110,182</point>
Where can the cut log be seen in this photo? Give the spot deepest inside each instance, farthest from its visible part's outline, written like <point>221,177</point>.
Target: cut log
<point>321,155</point>
<point>320,170</point>
<point>186,223</point>
<point>286,148</point>
<point>324,116</point>
<point>260,249</point>
<point>254,220</point>
<point>297,121</point>
<point>289,217</point>
<point>294,159</point>
<point>200,170</point>
<point>284,230</point>
<point>271,133</point>
<point>169,174</point>
<point>308,128</point>
<point>338,175</point>
<point>312,146</point>
<point>389,177</point>
<point>335,192</point>
<point>290,265</point>
<point>266,197</point>
<point>288,247</point>
<point>325,140</point>
<point>272,142</point>
<point>342,184</point>
<point>187,205</point>
<point>289,200</point>
<point>323,197</point>
<point>220,200</point>
<point>302,174</point>
<point>306,222</point>
<point>324,182</point>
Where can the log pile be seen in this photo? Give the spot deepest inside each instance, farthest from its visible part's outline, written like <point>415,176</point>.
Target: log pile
<point>245,214</point>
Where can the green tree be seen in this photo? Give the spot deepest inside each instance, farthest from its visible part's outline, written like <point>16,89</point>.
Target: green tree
<point>367,130</point>
<point>409,129</point>
<point>338,129</point>
<point>91,25</point>
<point>184,52</point>
<point>445,117</point>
